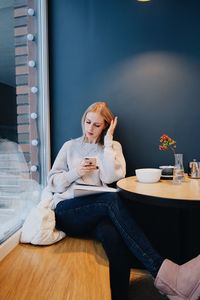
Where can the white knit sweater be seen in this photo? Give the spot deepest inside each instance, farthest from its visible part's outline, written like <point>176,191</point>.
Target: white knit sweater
<point>63,176</point>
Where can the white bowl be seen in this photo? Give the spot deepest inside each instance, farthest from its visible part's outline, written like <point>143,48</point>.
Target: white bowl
<point>149,175</point>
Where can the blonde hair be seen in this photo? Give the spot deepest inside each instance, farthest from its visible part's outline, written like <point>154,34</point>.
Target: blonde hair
<point>103,109</point>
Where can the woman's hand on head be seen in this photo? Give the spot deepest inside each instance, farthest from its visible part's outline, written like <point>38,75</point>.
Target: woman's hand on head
<point>108,139</point>
<point>112,126</point>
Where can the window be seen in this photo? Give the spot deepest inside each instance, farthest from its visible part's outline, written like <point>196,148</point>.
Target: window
<point>24,119</point>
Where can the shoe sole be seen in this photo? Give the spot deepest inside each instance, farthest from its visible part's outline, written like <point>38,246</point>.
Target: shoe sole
<point>195,295</point>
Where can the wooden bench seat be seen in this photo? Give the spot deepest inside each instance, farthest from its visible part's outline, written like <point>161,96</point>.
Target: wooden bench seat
<point>72,269</point>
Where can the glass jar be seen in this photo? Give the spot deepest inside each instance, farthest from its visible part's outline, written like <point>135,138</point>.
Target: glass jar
<point>178,175</point>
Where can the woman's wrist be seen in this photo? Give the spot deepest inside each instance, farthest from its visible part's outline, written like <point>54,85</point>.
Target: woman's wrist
<point>108,140</point>
<point>73,175</point>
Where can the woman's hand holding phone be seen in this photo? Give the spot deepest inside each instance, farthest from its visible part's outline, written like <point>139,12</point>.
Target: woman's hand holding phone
<point>90,161</point>
<point>87,165</point>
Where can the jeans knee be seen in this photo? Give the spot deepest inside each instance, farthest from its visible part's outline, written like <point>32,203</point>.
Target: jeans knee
<point>108,234</point>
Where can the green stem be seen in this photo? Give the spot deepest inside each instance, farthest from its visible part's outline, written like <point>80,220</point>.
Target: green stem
<point>173,150</point>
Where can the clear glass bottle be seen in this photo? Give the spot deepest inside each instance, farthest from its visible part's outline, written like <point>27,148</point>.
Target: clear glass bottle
<point>178,176</point>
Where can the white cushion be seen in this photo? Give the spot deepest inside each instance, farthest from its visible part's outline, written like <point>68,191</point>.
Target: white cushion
<point>39,226</point>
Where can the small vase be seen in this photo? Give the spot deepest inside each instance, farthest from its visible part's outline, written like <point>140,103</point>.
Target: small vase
<point>178,176</point>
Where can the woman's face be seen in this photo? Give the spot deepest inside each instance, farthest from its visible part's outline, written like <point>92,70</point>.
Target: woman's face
<point>94,125</point>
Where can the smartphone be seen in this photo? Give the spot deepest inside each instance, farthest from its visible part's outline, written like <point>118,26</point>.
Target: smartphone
<point>90,161</point>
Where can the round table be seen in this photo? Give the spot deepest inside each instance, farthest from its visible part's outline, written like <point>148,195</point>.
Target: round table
<point>163,192</point>
<point>185,197</point>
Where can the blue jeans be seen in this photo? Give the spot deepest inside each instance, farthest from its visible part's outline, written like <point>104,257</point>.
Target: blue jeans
<point>105,217</point>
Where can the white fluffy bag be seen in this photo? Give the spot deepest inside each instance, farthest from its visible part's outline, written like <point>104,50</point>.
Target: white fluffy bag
<point>39,226</point>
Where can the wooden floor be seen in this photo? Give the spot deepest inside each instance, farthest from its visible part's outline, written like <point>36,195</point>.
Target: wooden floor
<point>72,269</point>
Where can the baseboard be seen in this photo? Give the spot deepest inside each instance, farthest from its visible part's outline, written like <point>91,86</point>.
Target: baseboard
<point>7,246</point>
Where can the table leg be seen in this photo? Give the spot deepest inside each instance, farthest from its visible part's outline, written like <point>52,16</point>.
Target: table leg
<point>189,233</point>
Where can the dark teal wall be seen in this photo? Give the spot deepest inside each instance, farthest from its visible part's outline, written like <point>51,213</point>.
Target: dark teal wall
<point>143,58</point>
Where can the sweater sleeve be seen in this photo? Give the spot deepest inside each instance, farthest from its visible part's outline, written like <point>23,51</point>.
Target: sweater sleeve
<point>60,177</point>
<point>112,166</point>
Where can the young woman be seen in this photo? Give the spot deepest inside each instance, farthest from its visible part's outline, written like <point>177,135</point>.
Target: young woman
<point>96,159</point>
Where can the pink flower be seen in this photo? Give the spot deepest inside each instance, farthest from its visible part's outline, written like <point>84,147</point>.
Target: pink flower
<point>167,143</point>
